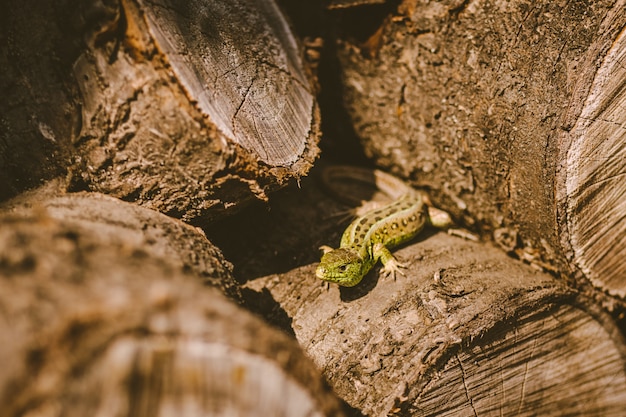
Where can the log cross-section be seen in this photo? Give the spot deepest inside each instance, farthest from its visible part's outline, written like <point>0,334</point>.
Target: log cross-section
<point>593,186</point>
<point>239,61</point>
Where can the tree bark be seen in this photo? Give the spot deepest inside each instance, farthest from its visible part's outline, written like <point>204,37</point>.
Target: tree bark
<point>38,113</point>
<point>510,112</point>
<point>119,223</point>
<point>94,324</point>
<point>467,329</point>
<point>187,108</point>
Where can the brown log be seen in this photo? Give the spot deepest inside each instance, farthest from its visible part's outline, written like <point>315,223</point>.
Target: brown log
<point>467,330</point>
<point>510,112</point>
<point>189,108</point>
<point>100,326</point>
<point>119,223</point>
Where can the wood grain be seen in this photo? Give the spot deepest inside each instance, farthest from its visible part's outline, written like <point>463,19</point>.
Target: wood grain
<point>592,187</point>
<point>550,364</point>
<point>193,109</point>
<point>100,326</point>
<point>467,330</point>
<point>241,64</point>
<point>525,341</point>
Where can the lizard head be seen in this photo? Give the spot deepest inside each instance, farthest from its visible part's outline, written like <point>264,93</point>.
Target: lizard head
<point>342,266</point>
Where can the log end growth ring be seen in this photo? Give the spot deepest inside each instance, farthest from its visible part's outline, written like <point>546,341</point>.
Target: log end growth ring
<point>593,187</point>
<point>248,81</point>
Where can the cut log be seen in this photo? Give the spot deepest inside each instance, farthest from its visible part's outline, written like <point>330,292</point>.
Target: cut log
<point>467,328</point>
<point>510,112</point>
<point>119,223</point>
<point>241,64</point>
<point>94,326</point>
<point>189,108</point>
<point>467,331</point>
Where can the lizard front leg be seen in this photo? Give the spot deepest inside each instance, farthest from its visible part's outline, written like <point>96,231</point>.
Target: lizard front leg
<point>391,266</point>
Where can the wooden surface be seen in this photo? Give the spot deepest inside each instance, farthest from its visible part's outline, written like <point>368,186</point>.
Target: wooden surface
<point>206,108</point>
<point>120,223</point>
<point>388,345</point>
<point>510,112</point>
<point>556,364</point>
<point>192,109</point>
<point>592,186</point>
<point>98,325</point>
<point>38,118</point>
<point>241,64</point>
<point>466,330</point>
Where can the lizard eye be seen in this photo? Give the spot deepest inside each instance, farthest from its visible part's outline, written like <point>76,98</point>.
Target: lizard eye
<point>343,267</point>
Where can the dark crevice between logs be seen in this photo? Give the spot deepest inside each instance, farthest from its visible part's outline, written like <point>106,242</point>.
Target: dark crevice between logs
<point>309,19</point>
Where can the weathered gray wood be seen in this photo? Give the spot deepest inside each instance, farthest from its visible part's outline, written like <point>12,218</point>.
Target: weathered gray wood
<point>241,64</point>
<point>92,326</point>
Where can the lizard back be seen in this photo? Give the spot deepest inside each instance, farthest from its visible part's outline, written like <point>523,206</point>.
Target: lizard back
<point>390,225</point>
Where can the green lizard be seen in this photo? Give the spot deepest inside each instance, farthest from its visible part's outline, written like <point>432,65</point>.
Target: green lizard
<point>370,236</point>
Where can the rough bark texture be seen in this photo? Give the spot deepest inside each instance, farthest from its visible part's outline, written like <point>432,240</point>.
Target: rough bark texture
<point>468,329</point>
<point>119,223</point>
<point>187,108</point>
<point>98,326</point>
<point>504,110</point>
<point>510,112</point>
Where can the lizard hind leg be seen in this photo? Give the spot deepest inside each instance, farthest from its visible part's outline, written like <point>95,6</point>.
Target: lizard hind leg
<point>391,266</point>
